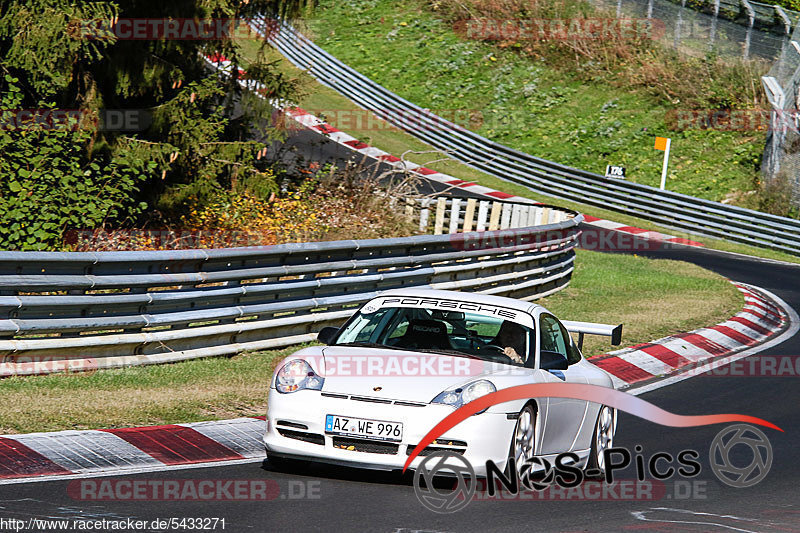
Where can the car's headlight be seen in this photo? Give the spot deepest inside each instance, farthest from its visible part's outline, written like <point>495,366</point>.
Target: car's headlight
<point>466,394</point>
<point>297,375</point>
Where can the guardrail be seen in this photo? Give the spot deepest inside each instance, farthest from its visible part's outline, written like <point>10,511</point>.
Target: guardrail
<point>671,209</point>
<point>87,310</point>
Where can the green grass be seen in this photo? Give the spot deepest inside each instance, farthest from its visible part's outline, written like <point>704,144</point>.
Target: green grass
<point>652,298</point>
<point>528,104</point>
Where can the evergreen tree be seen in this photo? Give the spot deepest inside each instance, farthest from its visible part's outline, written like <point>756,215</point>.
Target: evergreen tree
<point>59,54</point>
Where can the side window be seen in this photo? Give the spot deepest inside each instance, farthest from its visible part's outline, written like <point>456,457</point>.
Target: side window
<point>554,343</point>
<point>552,337</point>
<point>574,354</point>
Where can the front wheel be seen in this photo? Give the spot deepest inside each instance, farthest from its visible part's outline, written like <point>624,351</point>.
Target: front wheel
<point>524,439</point>
<point>602,440</point>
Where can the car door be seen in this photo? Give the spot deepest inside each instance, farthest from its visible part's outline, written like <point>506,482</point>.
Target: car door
<point>563,416</point>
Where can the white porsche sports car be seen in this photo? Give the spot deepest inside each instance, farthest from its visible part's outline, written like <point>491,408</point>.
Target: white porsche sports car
<point>409,357</point>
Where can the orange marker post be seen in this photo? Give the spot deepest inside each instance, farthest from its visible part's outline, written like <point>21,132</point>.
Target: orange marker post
<point>663,144</point>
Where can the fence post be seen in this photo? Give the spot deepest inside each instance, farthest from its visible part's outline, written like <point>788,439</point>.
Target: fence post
<point>678,25</point>
<point>423,215</point>
<point>409,209</point>
<point>441,205</point>
<point>455,211</point>
<point>713,35</point>
<point>545,216</point>
<point>524,214</point>
<point>494,220</point>
<point>483,213</point>
<point>787,24</point>
<point>469,213</point>
<point>751,15</point>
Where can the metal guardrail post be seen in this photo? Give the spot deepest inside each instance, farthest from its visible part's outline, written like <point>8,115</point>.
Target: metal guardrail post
<point>787,24</point>
<point>751,16</point>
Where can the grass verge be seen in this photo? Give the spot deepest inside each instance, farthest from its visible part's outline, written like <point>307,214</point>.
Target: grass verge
<point>652,298</point>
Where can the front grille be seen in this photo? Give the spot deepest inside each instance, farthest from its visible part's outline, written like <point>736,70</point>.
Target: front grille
<point>371,400</point>
<point>368,446</point>
<point>439,445</point>
<point>288,424</point>
<point>313,438</point>
<point>333,395</point>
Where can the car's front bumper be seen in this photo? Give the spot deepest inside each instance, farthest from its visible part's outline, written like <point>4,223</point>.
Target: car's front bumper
<point>487,435</point>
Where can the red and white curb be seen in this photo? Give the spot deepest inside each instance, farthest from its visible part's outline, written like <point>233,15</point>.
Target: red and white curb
<point>760,319</point>
<point>129,450</point>
<point>764,320</point>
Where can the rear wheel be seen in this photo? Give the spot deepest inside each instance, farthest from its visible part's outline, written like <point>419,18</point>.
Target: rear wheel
<point>603,439</point>
<point>524,439</point>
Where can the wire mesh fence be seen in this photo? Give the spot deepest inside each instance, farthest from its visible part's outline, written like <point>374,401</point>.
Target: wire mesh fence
<point>781,161</point>
<point>735,30</point>
<point>731,29</point>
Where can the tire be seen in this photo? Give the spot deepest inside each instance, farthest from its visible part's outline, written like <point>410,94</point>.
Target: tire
<point>523,440</point>
<point>602,439</point>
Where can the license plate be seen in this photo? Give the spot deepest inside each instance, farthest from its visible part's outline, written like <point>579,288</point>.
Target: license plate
<point>363,427</point>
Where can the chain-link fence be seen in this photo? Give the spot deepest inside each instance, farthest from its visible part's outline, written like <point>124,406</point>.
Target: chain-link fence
<point>735,30</point>
<point>728,28</point>
<point>782,152</point>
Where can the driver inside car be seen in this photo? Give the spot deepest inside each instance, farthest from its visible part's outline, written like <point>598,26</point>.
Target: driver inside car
<point>511,338</point>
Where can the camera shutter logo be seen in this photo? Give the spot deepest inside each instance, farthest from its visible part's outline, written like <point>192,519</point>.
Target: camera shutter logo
<point>739,436</point>
<point>445,500</point>
<point>537,479</point>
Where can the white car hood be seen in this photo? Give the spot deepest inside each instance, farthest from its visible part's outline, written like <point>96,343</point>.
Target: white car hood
<point>394,374</point>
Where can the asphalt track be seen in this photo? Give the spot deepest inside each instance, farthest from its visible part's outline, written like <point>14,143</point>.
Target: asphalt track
<point>341,500</point>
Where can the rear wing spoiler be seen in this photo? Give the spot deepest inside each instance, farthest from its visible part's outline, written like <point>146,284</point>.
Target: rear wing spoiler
<point>590,328</point>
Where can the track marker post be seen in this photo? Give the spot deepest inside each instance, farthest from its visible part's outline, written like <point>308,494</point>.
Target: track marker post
<point>663,144</point>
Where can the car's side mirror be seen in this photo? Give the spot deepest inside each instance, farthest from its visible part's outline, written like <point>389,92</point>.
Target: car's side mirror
<point>552,361</point>
<point>327,334</point>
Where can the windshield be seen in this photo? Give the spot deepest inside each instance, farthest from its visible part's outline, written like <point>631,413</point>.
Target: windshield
<point>462,333</point>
